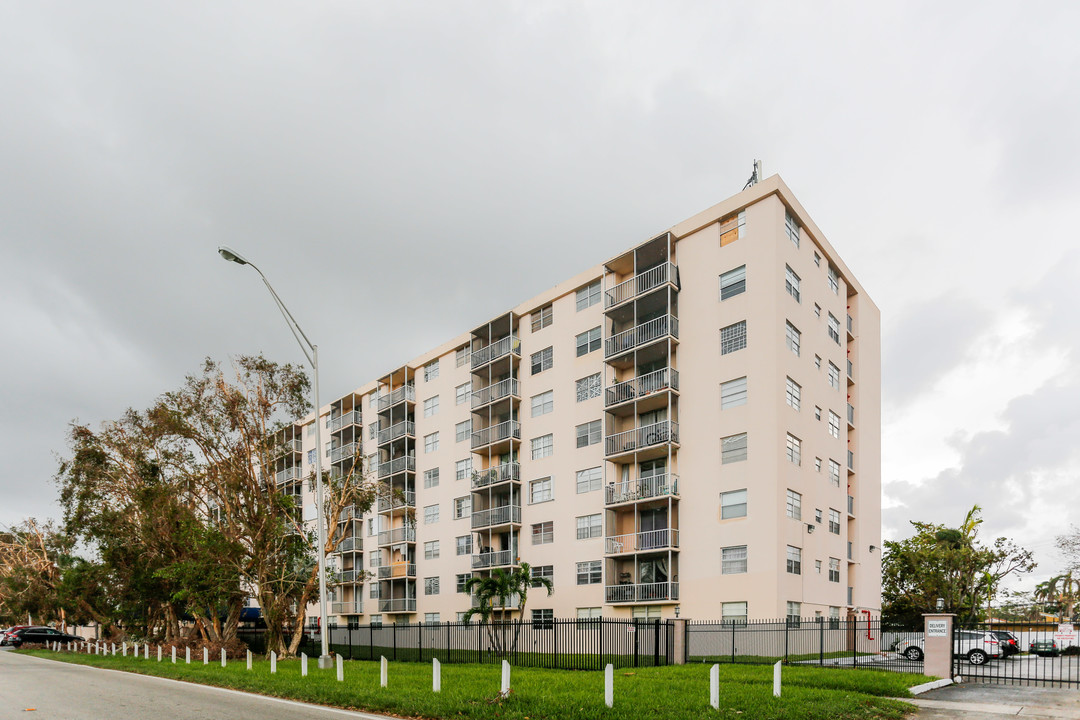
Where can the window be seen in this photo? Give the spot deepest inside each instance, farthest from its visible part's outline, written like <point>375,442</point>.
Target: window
<point>431,514</point>
<point>431,550</point>
<point>588,341</point>
<point>793,338</point>
<point>732,228</point>
<point>373,593</point>
<point>733,504</point>
<point>834,424</point>
<point>546,572</point>
<point>432,617</point>
<point>371,526</point>
<point>834,617</point>
<point>733,393</point>
<point>645,612</point>
<point>794,393</point>
<point>817,464</point>
<point>542,446</point>
<point>431,442</point>
<point>794,449</point>
<point>817,310</point>
<point>376,620</point>
<point>817,515</point>
<point>588,613</point>
<point>588,296</point>
<point>431,406</point>
<point>589,573</point>
<point>817,412</point>
<point>791,227</point>
<point>462,355</point>
<point>794,614</point>
<point>588,480</point>
<point>311,452</point>
<point>462,507</point>
<point>463,544</point>
<point>733,560</point>
<point>589,526</point>
<point>834,280</point>
<point>733,449</point>
<point>733,613</point>
<point>463,469</point>
<point>834,376</point>
<point>543,533</point>
<point>733,283</point>
<point>817,258</point>
<point>794,505</point>
<point>791,283</point>
<point>834,521</point>
<point>542,318</point>
<point>462,393</point>
<point>588,434</point>
<point>543,403</point>
<point>373,430</point>
<point>374,560</point>
<point>817,566</point>
<point>462,580</point>
<point>431,587</point>
<point>834,329</point>
<point>463,431</point>
<point>431,370</point>
<point>834,570</point>
<point>834,472</point>
<point>543,619</point>
<point>541,360</point>
<point>817,361</point>
<point>588,387</point>
<point>431,478</point>
<point>540,491</point>
<point>733,337</point>
<point>794,560</point>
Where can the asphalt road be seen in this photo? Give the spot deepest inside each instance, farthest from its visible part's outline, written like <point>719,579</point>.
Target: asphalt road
<point>61,691</point>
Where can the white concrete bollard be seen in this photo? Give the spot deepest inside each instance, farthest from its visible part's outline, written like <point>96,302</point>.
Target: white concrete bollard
<point>273,661</point>
<point>205,656</point>
<point>146,651</point>
<point>136,653</point>
<point>159,653</point>
<point>125,649</point>
<point>383,671</point>
<point>504,690</point>
<point>714,687</point>
<point>249,659</point>
<point>303,665</point>
<point>776,680</point>
<point>187,655</point>
<point>436,675</point>
<point>222,657</point>
<point>174,655</point>
<point>340,669</point>
<point>113,649</point>
<point>609,685</point>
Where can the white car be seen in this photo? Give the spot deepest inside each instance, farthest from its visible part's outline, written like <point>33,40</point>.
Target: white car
<point>976,645</point>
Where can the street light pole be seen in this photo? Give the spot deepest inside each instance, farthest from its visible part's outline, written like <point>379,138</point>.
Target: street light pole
<point>325,661</point>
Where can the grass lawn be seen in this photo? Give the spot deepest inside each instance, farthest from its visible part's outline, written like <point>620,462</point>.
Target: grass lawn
<point>471,691</point>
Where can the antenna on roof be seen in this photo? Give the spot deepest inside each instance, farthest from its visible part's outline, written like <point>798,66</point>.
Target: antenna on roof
<point>755,177</point>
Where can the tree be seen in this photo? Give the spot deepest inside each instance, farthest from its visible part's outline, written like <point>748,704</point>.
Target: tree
<point>1062,591</point>
<point>947,563</point>
<point>496,593</point>
<point>1069,545</point>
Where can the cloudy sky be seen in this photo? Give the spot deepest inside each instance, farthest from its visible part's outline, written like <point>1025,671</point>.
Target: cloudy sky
<point>374,156</point>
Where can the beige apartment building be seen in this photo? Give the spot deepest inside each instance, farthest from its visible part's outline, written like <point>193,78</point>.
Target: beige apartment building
<point>691,429</point>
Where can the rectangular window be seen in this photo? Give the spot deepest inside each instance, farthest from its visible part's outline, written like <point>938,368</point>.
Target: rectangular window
<point>733,560</point>
<point>834,376</point>
<point>794,505</point>
<point>588,341</point>
<point>431,478</point>
<point>376,620</point>
<point>542,446</point>
<point>543,619</point>
<point>733,393</point>
<point>588,434</point>
<point>817,464</point>
<point>733,449</point>
<point>589,573</point>
<point>431,514</point>
<point>733,613</point>
<point>463,469</point>
<point>541,360</point>
<point>817,412</point>
<point>834,280</point>
<point>588,480</point>
<point>463,544</point>
<point>834,472</point>
<point>431,618</point>
<point>588,613</point>
<point>794,560</point>
<point>794,393</point>
<point>791,283</point>
<point>543,403</point>
<point>463,431</point>
<point>542,318</point>
<point>733,337</point>
<point>373,593</point>
<point>817,258</point>
<point>588,387</point>
<point>589,526</point>
<point>588,296</point>
<point>733,283</point>
<point>543,533</point>
<point>732,228</point>
<point>793,338</point>
<point>794,449</point>
<point>540,491</point>
<point>733,504</point>
<point>547,572</point>
<point>834,329</point>
<point>431,406</point>
<point>431,370</point>
<point>373,430</point>
<point>462,507</point>
<point>431,587</point>
<point>461,581</point>
<point>794,614</point>
<point>462,355</point>
<point>834,424</point>
<point>834,618</point>
<point>462,393</point>
<point>834,570</point>
<point>371,526</point>
<point>431,550</point>
<point>791,227</point>
<point>431,442</point>
<point>834,521</point>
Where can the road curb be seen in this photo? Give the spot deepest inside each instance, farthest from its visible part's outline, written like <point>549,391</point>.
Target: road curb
<point>926,687</point>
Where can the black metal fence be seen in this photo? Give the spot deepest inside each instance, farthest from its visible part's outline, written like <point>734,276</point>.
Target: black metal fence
<point>1044,654</point>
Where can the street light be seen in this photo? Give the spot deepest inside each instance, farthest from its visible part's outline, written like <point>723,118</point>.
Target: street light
<point>325,661</point>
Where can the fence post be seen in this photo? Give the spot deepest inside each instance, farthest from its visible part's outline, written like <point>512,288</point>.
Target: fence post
<point>350,628</point>
<point>448,643</point>
<point>821,640</point>
<point>420,640</point>
<point>637,645</point>
<point>680,649</point>
<point>732,642</point>
<point>938,644</point>
<point>395,640</point>
<point>656,642</point>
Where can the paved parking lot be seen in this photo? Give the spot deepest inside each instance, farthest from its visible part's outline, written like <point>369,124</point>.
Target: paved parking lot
<point>984,701</point>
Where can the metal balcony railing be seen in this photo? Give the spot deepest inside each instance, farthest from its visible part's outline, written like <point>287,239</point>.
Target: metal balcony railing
<point>498,391</point>
<point>851,460</point>
<point>495,433</point>
<point>351,544</point>
<point>851,414</point>
<point>494,351</point>
<point>397,605</point>
<point>850,326</point>
<point>350,576</point>
<point>510,471</point>
<point>510,602</point>
<point>851,505</point>
<point>648,435</point>
<point>641,592</point>
<point>496,516</point>
<point>642,334</point>
<point>290,446</point>
<point>397,535</point>
<point>492,559</point>
<point>341,421</point>
<point>640,284</point>
<point>344,452</point>
<point>642,541</point>
<point>352,607</point>
<point>292,473</point>
<point>405,463</point>
<point>401,429</point>
<point>349,513</point>
<point>397,499</point>
<point>397,570</point>
<point>405,392</point>
<point>633,388</point>
<point>642,489</point>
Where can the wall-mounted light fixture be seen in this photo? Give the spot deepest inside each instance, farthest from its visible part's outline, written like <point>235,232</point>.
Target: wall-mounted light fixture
<point>676,611</point>
<point>810,527</point>
<point>873,548</point>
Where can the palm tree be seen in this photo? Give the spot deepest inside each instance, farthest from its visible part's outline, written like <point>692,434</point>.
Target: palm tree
<point>1063,590</point>
<point>503,586</point>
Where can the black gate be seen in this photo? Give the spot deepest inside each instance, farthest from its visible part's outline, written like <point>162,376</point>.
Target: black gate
<point>1043,654</point>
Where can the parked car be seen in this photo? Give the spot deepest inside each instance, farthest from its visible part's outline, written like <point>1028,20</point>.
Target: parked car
<point>38,635</point>
<point>1010,644</point>
<point>1044,648</point>
<point>10,632</point>
<point>977,646</point>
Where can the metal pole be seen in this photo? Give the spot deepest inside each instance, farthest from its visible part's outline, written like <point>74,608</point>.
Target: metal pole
<point>325,661</point>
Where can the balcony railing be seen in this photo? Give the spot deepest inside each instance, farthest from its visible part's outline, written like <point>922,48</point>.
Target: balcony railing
<point>640,284</point>
<point>640,386</point>
<point>850,326</point>
<point>397,570</point>
<point>352,607</point>
<point>405,392</point>
<point>494,351</point>
<point>495,433</point>
<point>850,370</point>
<point>851,505</point>
<point>292,473</point>
<point>644,333</point>
<point>397,535</point>
<point>397,465</point>
<point>401,429</point>
<point>397,499</point>
<point>397,605</point>
<point>341,421</point>
<point>662,432</point>
<point>351,544</point>
<point>851,414</point>
<point>492,559</point>
<point>498,391</point>
<point>851,461</point>
<point>642,541</point>
<point>344,452</point>
<point>350,576</point>
<point>499,473</point>
<point>646,592</point>
<point>349,513</point>
<point>290,446</point>
<point>496,516</point>
<point>510,602</point>
<point>642,489</point>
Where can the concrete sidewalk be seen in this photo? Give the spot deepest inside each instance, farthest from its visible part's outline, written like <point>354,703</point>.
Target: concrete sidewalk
<point>978,701</point>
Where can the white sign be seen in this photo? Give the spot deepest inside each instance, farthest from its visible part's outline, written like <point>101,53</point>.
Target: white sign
<point>1065,635</point>
<point>937,628</point>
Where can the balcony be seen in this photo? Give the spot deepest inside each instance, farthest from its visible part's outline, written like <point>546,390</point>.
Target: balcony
<point>398,605</point>
<point>352,607</point>
<point>648,541</point>
<point>663,379</point>
<point>403,428</point>
<point>492,559</point>
<point>345,452</point>
<point>395,571</point>
<point>851,415</point>
<point>850,461</point>
<point>397,499</point>
<point>507,472</point>
<point>350,576</point>
<point>496,433</point>
<point>501,389</point>
<point>643,334</point>
<point>344,421</point>
<point>405,463</point>
<point>290,446</point>
<point>850,328</point>
<point>644,592</point>
<point>292,473</point>
<point>397,535</point>
<point>851,506</point>
<point>402,394</point>
<point>349,513</point>
<point>656,486</point>
<point>665,431</point>
<point>501,515</point>
<point>850,373</point>
<point>351,544</point>
<point>508,603</point>
<point>489,353</point>
<point>640,284</point>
